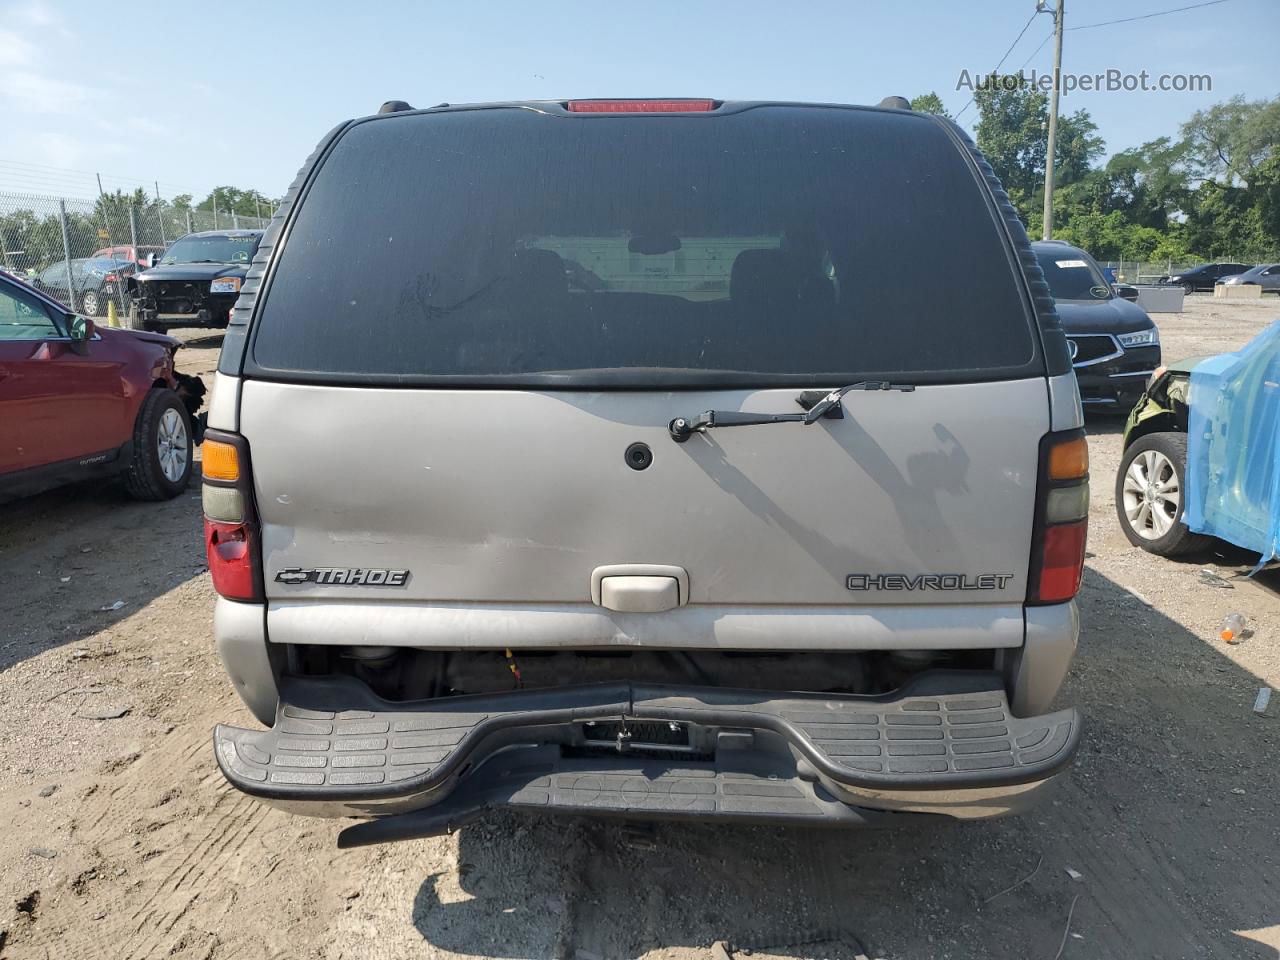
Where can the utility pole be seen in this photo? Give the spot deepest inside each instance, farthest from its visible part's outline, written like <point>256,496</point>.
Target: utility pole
<point>1047,218</point>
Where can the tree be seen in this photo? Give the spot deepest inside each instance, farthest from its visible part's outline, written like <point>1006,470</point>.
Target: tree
<point>246,203</point>
<point>1222,222</point>
<point>1230,139</point>
<point>929,103</point>
<point>1012,133</point>
<point>1266,188</point>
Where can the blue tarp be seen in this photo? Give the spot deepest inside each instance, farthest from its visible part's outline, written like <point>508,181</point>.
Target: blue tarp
<point>1233,446</point>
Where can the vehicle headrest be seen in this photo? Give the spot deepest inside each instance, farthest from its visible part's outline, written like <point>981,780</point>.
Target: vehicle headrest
<point>538,274</point>
<point>762,278</point>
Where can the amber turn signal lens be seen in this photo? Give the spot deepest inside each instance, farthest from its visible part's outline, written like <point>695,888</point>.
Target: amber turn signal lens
<point>221,462</point>
<point>1068,460</point>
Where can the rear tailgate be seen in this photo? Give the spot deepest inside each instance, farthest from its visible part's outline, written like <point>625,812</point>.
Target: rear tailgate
<point>476,312</point>
<point>502,497</point>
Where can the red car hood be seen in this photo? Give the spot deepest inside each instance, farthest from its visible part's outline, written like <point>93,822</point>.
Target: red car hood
<point>109,332</point>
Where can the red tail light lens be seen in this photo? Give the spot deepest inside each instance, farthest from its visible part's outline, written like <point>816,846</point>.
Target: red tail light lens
<point>1062,562</point>
<point>231,531</point>
<point>1062,508</point>
<point>233,560</point>
<point>641,106</point>
<point>111,278</point>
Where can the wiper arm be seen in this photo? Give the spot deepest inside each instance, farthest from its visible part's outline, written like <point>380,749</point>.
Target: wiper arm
<point>682,429</point>
<point>817,405</point>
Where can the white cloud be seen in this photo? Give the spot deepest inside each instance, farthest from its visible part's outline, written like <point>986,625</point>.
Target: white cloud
<point>15,50</point>
<point>59,150</point>
<point>34,92</point>
<point>36,14</point>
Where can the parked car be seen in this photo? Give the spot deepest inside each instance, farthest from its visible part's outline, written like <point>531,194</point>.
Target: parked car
<point>1113,342</point>
<point>96,282</point>
<point>80,401</point>
<point>139,255</point>
<point>1204,277</point>
<point>195,283</point>
<point>1201,452</point>
<point>1266,276</point>
<point>802,549</point>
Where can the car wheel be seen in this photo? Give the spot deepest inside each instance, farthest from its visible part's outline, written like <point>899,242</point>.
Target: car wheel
<point>1188,288</point>
<point>1150,495</point>
<point>162,448</point>
<point>90,303</point>
<point>135,322</point>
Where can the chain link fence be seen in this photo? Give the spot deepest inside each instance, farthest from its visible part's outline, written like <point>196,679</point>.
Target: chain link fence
<point>60,245</point>
<point>1153,271</point>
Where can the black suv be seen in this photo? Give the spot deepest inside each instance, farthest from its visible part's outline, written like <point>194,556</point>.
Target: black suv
<point>1114,345</point>
<point>195,283</point>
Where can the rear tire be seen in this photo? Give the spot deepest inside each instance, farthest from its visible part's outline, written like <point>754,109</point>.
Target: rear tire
<point>90,303</point>
<point>1151,494</point>
<point>162,448</point>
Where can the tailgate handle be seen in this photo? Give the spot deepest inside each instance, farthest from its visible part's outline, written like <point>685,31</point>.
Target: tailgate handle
<point>639,587</point>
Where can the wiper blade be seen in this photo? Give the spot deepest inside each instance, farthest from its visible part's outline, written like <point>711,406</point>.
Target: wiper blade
<point>817,405</point>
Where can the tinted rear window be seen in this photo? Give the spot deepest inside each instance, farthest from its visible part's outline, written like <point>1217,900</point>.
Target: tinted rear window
<point>762,246</point>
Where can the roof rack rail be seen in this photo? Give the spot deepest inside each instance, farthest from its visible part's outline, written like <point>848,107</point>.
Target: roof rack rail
<point>394,106</point>
<point>895,103</point>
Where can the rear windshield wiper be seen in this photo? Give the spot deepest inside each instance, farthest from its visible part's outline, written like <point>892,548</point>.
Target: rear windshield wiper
<point>816,403</point>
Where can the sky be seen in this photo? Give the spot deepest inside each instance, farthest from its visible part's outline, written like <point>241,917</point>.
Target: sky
<point>199,94</point>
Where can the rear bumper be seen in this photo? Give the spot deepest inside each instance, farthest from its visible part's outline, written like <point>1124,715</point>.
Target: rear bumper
<point>948,744</point>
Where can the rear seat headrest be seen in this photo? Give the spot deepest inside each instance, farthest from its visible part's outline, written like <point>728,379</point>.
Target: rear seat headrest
<point>537,274</point>
<point>763,277</point>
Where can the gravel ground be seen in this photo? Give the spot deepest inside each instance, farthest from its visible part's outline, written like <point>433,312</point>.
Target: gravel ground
<point>124,841</point>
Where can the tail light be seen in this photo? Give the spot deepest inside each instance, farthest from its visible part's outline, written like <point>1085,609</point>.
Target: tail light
<point>1062,518</point>
<point>111,278</point>
<point>232,533</point>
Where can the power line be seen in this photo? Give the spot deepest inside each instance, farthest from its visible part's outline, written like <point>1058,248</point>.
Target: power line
<point>1004,58</point>
<point>1036,50</point>
<point>63,171</point>
<point>1146,16</point>
<point>1087,26</point>
<point>66,179</point>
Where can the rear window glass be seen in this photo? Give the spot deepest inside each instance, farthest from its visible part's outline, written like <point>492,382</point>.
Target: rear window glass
<point>1070,276</point>
<point>759,247</point>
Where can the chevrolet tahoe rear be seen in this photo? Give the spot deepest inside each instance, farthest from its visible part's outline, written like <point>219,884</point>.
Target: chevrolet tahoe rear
<point>592,457</point>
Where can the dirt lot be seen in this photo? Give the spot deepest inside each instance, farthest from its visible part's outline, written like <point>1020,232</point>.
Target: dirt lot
<point>124,841</point>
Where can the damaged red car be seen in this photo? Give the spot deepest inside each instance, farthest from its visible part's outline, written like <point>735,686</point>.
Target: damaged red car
<point>79,401</point>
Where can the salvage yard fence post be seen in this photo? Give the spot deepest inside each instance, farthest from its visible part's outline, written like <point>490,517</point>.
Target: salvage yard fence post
<point>66,251</point>
<point>133,227</point>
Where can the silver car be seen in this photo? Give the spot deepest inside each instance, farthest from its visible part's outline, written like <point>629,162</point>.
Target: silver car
<point>591,457</point>
<point>1266,275</point>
